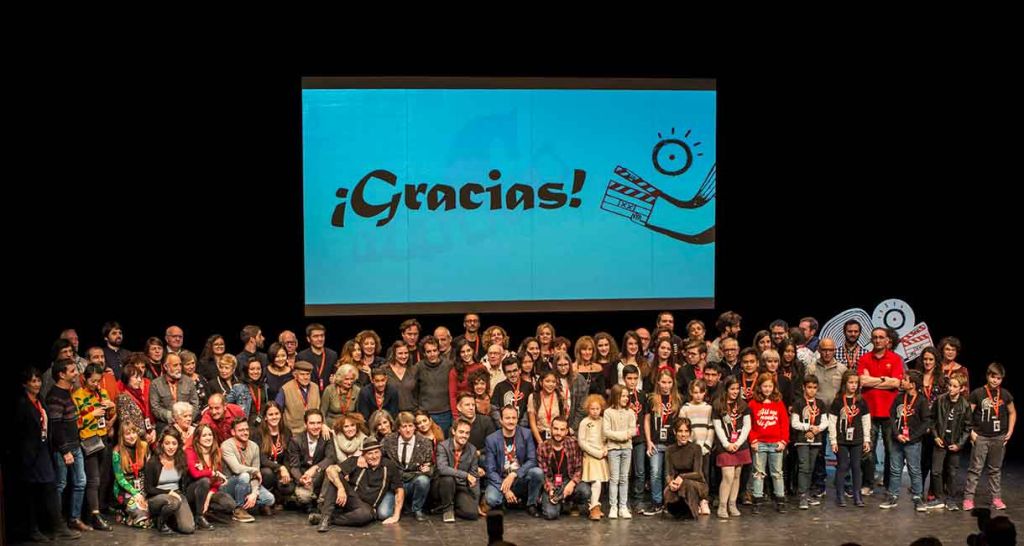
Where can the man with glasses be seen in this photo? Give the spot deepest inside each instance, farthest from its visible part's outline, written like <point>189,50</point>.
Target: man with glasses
<point>728,326</point>
<point>175,338</point>
<point>730,364</point>
<point>291,346</point>
<point>511,392</point>
<point>880,371</point>
<point>829,372</point>
<point>471,323</point>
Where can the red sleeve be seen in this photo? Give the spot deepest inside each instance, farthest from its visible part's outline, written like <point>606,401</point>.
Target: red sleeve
<point>898,365</point>
<point>863,363</point>
<point>193,461</point>
<point>752,406</point>
<point>451,392</point>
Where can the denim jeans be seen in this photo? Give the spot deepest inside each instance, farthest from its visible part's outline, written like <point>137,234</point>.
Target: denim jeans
<point>912,454</point>
<point>770,455</point>
<point>528,486</point>
<point>618,489</point>
<point>416,490</point>
<point>239,488</point>
<point>78,480</point>
<point>657,474</point>
<point>580,496</point>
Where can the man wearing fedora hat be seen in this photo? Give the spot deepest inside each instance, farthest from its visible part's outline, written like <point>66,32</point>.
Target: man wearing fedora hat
<point>360,490</point>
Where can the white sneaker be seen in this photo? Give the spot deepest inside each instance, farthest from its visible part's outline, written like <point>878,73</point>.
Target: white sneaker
<point>613,512</point>
<point>624,512</point>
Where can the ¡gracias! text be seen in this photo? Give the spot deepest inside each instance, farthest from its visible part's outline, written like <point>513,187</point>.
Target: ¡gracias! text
<point>470,196</point>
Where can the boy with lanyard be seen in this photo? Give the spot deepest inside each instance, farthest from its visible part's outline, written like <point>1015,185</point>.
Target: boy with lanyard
<point>640,404</point>
<point>994,418</point>
<point>808,419</point>
<point>911,421</point>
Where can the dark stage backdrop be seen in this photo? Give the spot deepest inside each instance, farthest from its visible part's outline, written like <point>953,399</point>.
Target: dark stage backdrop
<point>172,195</point>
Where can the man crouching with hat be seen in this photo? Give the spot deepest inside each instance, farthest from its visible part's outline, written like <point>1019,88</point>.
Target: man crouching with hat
<point>360,490</point>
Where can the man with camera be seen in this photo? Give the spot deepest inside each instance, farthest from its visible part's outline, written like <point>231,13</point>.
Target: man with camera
<point>562,464</point>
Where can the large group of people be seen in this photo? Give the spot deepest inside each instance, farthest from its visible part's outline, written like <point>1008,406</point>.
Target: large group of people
<point>655,422</point>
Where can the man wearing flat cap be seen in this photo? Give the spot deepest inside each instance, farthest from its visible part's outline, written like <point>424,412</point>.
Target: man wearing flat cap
<point>361,490</point>
<point>297,396</point>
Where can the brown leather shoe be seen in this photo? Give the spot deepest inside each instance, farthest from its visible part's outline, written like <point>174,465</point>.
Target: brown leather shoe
<point>266,511</point>
<point>596,514</point>
<point>78,525</point>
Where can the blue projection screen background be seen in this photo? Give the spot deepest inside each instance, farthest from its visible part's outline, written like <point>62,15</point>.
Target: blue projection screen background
<point>508,199</point>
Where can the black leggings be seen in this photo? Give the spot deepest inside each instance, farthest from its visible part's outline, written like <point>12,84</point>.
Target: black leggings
<point>196,494</point>
<point>849,459</point>
<point>96,466</point>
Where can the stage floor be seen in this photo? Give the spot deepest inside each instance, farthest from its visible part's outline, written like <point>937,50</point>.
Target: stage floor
<point>821,525</point>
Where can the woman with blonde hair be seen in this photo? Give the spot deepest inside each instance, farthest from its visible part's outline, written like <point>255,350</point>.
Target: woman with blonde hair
<point>341,395</point>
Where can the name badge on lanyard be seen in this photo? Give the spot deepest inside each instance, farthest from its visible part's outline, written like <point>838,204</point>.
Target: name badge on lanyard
<point>558,480</point>
<point>849,433</point>
<point>996,425</point>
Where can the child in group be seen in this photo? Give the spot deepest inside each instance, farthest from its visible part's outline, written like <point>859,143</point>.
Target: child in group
<point>994,418</point>
<point>910,422</point>
<point>732,426</point>
<point>809,418</point>
<point>595,453</point>
<point>702,431</point>
<point>849,429</point>
<point>619,428</point>
<point>664,404</point>
<point>769,434</point>
<point>951,421</point>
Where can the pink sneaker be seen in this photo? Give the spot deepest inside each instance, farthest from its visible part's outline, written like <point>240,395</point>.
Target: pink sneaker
<point>968,505</point>
<point>998,504</point>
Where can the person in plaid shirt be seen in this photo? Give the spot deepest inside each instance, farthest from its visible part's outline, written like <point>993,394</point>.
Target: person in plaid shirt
<point>562,464</point>
<point>850,352</point>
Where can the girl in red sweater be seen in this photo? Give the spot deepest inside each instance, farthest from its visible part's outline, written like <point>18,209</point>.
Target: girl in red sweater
<point>769,433</point>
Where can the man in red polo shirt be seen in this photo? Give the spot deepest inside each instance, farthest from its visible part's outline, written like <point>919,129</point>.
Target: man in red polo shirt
<point>880,373</point>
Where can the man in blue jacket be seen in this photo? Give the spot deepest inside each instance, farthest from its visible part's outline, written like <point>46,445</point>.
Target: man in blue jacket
<point>510,459</point>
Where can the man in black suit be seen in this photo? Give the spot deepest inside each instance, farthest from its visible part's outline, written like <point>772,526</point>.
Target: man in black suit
<point>414,455</point>
<point>308,456</point>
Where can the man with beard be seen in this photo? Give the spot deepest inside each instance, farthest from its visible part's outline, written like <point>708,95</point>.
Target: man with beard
<point>471,322</point>
<point>252,337</point>
<point>728,326</point>
<point>562,465</point>
<point>169,388</point>
<point>112,351</point>
<point>322,358</point>
<point>851,351</point>
<point>71,335</point>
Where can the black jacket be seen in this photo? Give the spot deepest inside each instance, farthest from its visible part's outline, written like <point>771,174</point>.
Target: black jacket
<point>919,420</point>
<point>960,429</point>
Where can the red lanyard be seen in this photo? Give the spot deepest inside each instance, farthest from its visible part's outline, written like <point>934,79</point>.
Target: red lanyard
<point>547,407</point>
<point>733,416</point>
<point>851,412</point>
<point>561,460</point>
<point>42,414</point>
<point>348,399</point>
<point>320,371</point>
<point>995,401</point>
<point>748,392</point>
<point>256,398</point>
<point>515,390</point>
<point>908,409</point>
<point>636,407</point>
<point>812,410</point>
<point>275,447</point>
